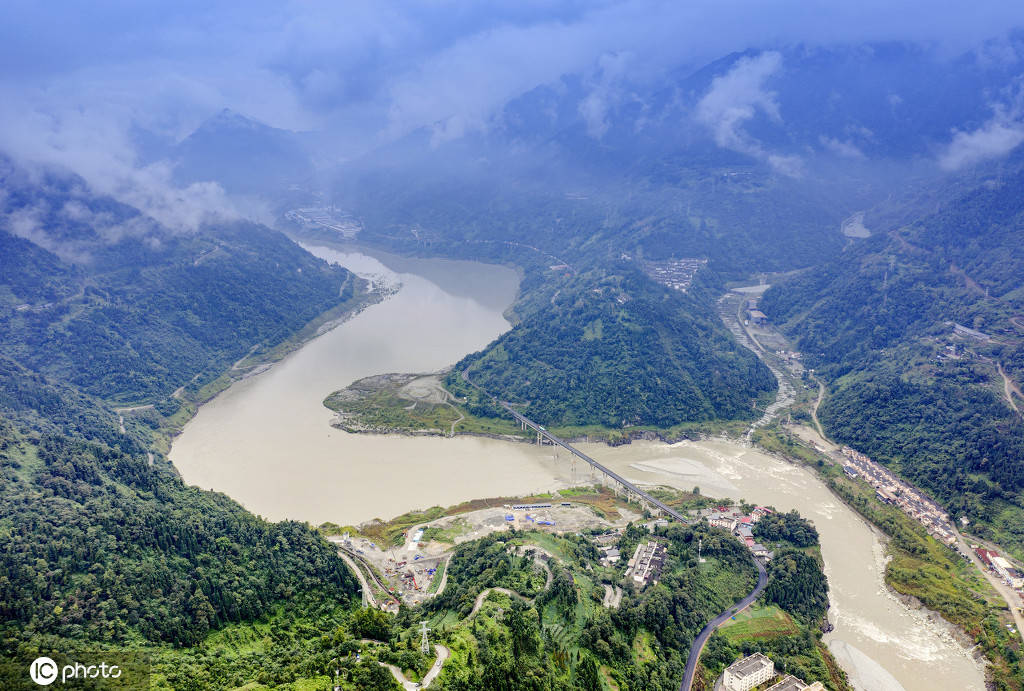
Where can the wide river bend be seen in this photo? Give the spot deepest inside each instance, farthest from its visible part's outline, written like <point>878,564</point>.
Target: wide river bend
<point>267,443</point>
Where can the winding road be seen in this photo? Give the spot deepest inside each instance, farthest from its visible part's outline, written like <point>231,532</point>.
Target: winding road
<point>479,602</point>
<point>442,654</point>
<point>350,558</point>
<point>702,637</point>
<point>705,633</point>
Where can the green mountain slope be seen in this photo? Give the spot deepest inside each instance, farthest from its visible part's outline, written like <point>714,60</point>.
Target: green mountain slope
<point>102,546</point>
<point>94,293</point>
<point>911,330</point>
<point>618,350</point>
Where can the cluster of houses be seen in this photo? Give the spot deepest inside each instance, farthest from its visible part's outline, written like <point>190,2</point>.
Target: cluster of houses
<point>674,273</point>
<point>889,489</point>
<point>647,562</point>
<point>607,545</point>
<point>757,669</point>
<point>741,525</point>
<point>1001,567</point>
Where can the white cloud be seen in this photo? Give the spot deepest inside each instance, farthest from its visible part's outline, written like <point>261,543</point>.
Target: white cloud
<point>605,93</point>
<point>841,147</point>
<point>92,142</point>
<point>737,97</point>
<point>369,72</point>
<point>997,137</point>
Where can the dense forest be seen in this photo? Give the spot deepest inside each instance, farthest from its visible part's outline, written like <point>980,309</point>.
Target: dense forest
<point>909,330</point>
<point>788,527</point>
<point>618,350</point>
<point>103,546</point>
<point>121,307</point>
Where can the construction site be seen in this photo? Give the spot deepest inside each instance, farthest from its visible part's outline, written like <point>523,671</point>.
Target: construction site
<point>414,570</point>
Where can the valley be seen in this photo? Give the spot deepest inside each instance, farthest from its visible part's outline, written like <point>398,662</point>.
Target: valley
<point>720,468</point>
<point>510,346</point>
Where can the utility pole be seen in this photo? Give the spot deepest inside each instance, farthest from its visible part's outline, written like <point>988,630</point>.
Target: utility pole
<point>424,645</point>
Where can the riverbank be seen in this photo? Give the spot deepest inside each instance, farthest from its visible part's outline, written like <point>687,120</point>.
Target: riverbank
<point>919,570</point>
<point>267,442</point>
<point>187,399</point>
<point>925,574</point>
<point>419,405</point>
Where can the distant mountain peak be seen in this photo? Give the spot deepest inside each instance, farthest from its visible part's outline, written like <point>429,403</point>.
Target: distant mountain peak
<point>230,119</point>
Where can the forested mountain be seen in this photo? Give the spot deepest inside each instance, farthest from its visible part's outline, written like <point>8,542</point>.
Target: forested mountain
<point>614,348</point>
<point>911,330</point>
<point>96,294</point>
<point>243,155</point>
<point>104,547</point>
<point>733,160</point>
<point>101,543</point>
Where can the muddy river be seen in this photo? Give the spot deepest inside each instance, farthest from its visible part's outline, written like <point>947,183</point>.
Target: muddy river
<point>267,443</point>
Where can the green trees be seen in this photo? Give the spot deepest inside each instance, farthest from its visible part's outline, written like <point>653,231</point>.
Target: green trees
<point>105,547</point>
<point>791,527</point>
<point>906,386</point>
<point>371,623</point>
<point>616,349</point>
<point>797,584</point>
<point>149,317</point>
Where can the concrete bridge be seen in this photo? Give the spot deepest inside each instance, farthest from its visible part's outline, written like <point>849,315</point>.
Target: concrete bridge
<point>646,500</point>
<point>630,490</point>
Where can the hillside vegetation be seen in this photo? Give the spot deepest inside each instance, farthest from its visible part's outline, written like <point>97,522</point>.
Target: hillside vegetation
<point>617,350</point>
<point>102,546</point>
<point>908,384</point>
<point>124,308</point>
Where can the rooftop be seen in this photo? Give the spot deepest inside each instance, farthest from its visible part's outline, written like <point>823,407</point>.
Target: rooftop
<point>749,665</point>
<point>788,683</point>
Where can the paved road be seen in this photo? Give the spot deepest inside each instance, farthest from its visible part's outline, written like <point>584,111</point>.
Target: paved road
<point>612,597</point>
<point>444,576</point>
<point>442,655</point>
<point>479,602</point>
<point>368,600</point>
<point>702,638</point>
<point>537,552</point>
<point>1007,593</point>
<point>705,634</point>
<point>352,556</point>
<point>576,452</point>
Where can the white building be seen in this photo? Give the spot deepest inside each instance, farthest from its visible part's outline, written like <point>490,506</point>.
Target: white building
<point>791,683</point>
<point>749,672</point>
<point>1007,572</point>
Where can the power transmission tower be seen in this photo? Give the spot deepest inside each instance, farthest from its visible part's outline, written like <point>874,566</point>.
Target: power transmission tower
<point>424,645</point>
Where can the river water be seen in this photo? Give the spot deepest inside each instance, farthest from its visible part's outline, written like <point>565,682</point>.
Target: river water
<point>266,442</point>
